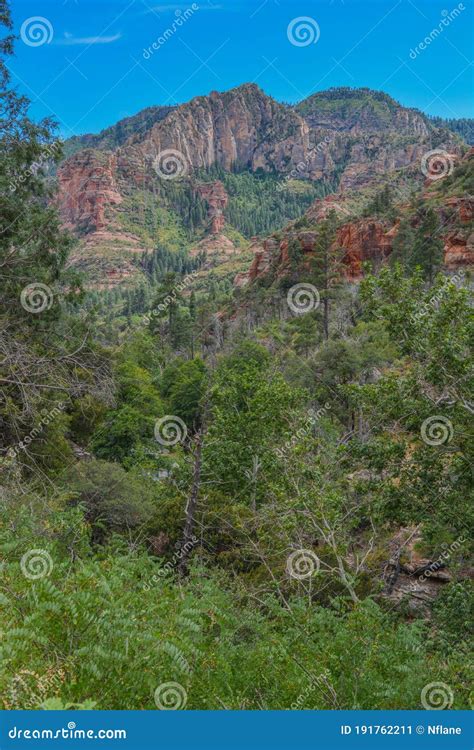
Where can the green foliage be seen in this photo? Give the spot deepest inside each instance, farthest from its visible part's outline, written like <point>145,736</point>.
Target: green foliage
<point>403,245</point>
<point>428,247</point>
<point>453,615</point>
<point>128,427</point>
<point>250,404</point>
<point>182,385</point>
<point>327,266</point>
<point>381,204</point>
<point>259,205</point>
<point>463,126</point>
<point>346,102</point>
<point>106,631</point>
<point>432,329</point>
<point>111,497</point>
<point>305,434</point>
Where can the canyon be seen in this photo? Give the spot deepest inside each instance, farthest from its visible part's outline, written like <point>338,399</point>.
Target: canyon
<point>362,240</point>
<point>353,140</point>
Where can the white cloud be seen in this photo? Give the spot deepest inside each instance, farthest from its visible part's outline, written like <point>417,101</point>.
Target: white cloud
<point>70,40</point>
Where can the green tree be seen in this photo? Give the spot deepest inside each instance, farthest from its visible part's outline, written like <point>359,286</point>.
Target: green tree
<point>428,247</point>
<point>47,356</point>
<point>403,245</point>
<point>327,266</point>
<point>183,385</point>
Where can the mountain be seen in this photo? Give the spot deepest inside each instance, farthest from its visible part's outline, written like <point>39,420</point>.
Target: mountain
<point>139,185</point>
<point>463,126</point>
<point>117,134</point>
<point>369,235</point>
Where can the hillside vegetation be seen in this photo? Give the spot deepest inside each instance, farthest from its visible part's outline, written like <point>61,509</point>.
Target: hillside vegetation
<point>259,495</point>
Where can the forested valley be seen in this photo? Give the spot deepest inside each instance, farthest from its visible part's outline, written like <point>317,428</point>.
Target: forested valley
<point>233,497</point>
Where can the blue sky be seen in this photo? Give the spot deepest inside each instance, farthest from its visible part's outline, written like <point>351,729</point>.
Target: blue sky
<point>91,68</point>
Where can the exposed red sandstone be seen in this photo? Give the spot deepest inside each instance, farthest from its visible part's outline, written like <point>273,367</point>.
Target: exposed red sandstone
<point>87,187</point>
<point>215,195</point>
<point>363,240</point>
<point>464,208</point>
<point>264,251</point>
<point>459,249</point>
<point>320,209</point>
<point>248,129</point>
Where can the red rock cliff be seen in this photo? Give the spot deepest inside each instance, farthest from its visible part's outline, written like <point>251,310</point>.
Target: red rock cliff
<point>362,240</point>
<point>87,187</point>
<point>215,195</point>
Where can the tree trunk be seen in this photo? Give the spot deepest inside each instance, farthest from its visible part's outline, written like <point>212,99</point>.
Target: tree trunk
<point>326,317</point>
<point>191,507</point>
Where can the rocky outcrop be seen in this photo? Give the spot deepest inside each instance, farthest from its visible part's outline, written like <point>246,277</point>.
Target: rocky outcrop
<point>321,208</point>
<point>242,127</point>
<point>357,136</point>
<point>215,195</point>
<point>264,252</point>
<point>361,111</point>
<point>414,580</point>
<point>463,207</point>
<point>105,258</point>
<point>459,249</point>
<point>378,157</point>
<point>245,128</point>
<point>367,132</point>
<point>87,188</point>
<point>364,240</point>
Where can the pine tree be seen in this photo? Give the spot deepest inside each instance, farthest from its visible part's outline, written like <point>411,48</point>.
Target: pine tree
<point>192,315</point>
<point>403,244</point>
<point>166,304</point>
<point>428,248</point>
<point>327,266</point>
